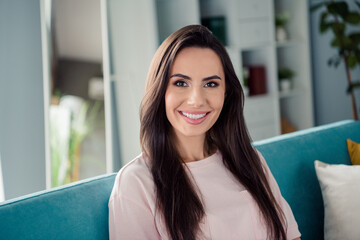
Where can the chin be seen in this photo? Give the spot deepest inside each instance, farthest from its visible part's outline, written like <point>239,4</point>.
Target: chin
<point>191,133</point>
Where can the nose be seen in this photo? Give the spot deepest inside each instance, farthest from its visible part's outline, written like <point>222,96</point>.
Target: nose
<point>196,98</point>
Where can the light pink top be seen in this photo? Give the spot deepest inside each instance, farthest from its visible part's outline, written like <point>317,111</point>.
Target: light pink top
<point>230,211</point>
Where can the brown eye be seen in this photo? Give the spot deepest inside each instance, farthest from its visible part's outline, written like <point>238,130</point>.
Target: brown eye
<point>180,83</point>
<point>211,84</point>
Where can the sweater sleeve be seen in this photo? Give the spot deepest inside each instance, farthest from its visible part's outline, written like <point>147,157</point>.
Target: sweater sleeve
<point>130,220</point>
<point>292,230</point>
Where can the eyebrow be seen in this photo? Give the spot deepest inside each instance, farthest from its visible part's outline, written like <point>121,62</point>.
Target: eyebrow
<point>189,78</point>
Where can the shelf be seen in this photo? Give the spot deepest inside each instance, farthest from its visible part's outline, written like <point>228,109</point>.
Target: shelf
<point>291,93</point>
<point>257,46</point>
<point>260,97</point>
<point>289,43</point>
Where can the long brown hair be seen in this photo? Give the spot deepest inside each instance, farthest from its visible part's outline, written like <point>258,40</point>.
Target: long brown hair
<point>177,198</point>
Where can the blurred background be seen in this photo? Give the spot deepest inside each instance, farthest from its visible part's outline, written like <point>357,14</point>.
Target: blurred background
<point>72,75</point>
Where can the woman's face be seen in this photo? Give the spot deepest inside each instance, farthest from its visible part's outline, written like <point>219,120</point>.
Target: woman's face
<point>195,94</point>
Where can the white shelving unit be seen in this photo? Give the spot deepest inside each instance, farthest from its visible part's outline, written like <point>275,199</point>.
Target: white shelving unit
<point>250,34</point>
<point>297,105</point>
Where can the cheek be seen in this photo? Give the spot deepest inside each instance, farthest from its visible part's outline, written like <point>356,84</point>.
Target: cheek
<point>170,102</point>
<point>217,101</point>
<point>167,105</point>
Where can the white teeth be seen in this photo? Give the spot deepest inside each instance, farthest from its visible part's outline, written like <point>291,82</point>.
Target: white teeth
<point>193,116</point>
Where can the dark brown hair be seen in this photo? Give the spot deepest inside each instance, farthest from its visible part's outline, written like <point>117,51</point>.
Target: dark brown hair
<point>177,198</point>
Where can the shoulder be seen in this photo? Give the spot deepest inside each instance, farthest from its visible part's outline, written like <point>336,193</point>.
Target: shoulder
<point>262,161</point>
<point>271,180</point>
<point>133,179</point>
<point>135,168</point>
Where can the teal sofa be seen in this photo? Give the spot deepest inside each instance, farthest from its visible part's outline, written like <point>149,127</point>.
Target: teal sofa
<point>79,210</point>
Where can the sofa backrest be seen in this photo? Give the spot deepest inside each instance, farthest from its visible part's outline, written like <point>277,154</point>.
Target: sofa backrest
<point>80,210</point>
<point>291,159</point>
<point>75,211</point>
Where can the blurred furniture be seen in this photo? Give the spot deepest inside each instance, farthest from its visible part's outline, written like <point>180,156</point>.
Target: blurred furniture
<point>80,210</point>
<point>73,211</point>
<point>291,159</point>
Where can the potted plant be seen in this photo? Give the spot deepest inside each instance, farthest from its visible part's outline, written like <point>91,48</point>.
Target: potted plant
<point>245,85</point>
<point>281,20</point>
<point>337,18</point>
<point>285,76</point>
<point>70,122</point>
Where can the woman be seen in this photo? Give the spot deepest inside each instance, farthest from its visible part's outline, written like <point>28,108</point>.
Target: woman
<point>198,176</point>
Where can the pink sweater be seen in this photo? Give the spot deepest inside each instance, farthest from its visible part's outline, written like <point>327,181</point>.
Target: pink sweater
<point>230,211</point>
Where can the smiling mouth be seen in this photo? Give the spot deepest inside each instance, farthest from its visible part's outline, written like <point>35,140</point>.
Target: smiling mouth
<point>193,116</point>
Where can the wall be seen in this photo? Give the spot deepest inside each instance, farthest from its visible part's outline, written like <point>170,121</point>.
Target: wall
<point>75,41</point>
<point>133,41</point>
<point>330,84</point>
<point>22,144</point>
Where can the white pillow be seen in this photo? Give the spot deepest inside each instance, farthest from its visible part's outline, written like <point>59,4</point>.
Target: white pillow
<point>340,187</point>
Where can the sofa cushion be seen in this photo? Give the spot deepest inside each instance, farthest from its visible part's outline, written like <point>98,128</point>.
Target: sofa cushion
<point>340,186</point>
<point>354,151</point>
<point>74,211</point>
<point>291,159</point>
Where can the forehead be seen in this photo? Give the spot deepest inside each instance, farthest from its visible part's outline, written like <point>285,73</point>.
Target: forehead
<point>197,58</point>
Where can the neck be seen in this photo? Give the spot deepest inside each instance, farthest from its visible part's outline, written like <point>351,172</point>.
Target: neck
<point>192,148</point>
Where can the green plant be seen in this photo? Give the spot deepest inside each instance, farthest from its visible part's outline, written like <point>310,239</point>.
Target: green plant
<point>80,128</point>
<point>64,147</point>
<point>281,19</point>
<point>285,73</point>
<point>337,18</point>
<point>245,74</point>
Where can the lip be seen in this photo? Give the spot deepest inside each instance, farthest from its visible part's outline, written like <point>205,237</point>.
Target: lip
<point>194,121</point>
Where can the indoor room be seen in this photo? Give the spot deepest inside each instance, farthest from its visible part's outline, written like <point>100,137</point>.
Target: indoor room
<point>73,77</point>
